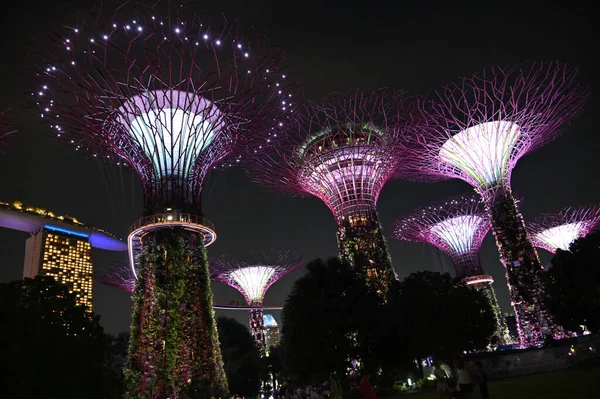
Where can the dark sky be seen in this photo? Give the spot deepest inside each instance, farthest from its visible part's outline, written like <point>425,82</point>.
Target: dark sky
<point>335,46</point>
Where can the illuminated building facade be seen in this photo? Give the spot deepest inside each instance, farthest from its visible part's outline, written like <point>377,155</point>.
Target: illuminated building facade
<point>271,331</point>
<point>64,255</point>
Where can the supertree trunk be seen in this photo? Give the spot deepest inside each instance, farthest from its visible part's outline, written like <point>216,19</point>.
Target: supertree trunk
<point>502,332</point>
<point>174,347</point>
<point>523,268</point>
<point>257,329</point>
<point>363,245</point>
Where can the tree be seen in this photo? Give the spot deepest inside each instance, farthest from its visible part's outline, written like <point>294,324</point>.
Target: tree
<point>241,357</point>
<point>54,348</point>
<point>326,321</point>
<point>572,284</point>
<point>440,316</point>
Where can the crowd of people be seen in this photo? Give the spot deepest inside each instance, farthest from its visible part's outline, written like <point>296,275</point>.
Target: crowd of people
<point>462,382</point>
<point>331,389</point>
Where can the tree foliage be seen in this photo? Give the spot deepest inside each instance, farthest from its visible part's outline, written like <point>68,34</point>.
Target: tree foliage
<point>440,316</point>
<point>572,284</point>
<point>241,357</point>
<point>333,316</point>
<point>51,347</point>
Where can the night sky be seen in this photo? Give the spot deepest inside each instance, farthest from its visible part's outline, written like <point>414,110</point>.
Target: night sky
<point>334,46</point>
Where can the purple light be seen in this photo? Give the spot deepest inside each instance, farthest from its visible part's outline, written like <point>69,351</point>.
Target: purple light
<point>559,230</point>
<point>477,130</point>
<point>457,226</point>
<point>252,275</point>
<point>343,151</point>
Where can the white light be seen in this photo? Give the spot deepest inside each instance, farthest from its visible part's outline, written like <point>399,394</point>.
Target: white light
<point>171,138</point>
<point>205,37</point>
<point>114,25</point>
<point>105,37</point>
<point>459,232</point>
<point>482,151</point>
<point>561,237</point>
<point>139,28</point>
<point>246,54</point>
<point>91,40</point>
<point>253,280</point>
<point>76,30</point>
<point>218,42</point>
<point>127,27</point>
<point>177,30</point>
<point>239,46</point>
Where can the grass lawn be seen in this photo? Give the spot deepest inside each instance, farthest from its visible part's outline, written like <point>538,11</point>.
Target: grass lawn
<point>568,384</point>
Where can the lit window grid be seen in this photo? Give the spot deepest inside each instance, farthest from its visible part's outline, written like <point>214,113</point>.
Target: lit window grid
<point>68,261</point>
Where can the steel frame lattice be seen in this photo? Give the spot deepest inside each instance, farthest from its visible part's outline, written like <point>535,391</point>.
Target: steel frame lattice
<point>456,226</point>
<point>343,151</point>
<point>553,231</point>
<point>479,127</point>
<point>5,130</point>
<point>172,95</point>
<point>252,274</point>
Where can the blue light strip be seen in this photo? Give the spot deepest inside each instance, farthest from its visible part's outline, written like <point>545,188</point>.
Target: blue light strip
<point>61,230</point>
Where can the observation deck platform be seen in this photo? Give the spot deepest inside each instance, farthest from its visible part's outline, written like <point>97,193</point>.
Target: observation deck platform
<point>168,220</point>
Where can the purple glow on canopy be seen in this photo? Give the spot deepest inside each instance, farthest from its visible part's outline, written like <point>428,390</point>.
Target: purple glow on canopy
<point>456,226</point>
<point>253,274</point>
<point>559,230</point>
<point>480,126</point>
<point>161,99</point>
<point>342,151</point>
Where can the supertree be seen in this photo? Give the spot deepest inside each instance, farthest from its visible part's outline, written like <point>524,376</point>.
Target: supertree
<point>553,231</point>
<point>457,226</point>
<point>252,274</point>
<point>343,151</point>
<point>479,127</point>
<point>172,95</point>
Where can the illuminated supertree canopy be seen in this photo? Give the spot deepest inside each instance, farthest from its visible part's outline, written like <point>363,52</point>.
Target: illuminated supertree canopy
<point>252,274</point>
<point>343,151</point>
<point>457,226</point>
<point>553,231</point>
<point>173,95</point>
<point>479,127</point>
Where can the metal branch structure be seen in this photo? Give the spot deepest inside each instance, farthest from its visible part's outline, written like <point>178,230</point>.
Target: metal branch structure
<point>252,275</point>
<point>479,127</point>
<point>173,95</point>
<point>5,130</point>
<point>457,226</point>
<point>343,151</point>
<point>553,231</point>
